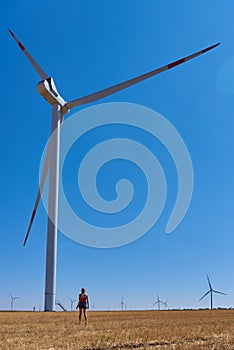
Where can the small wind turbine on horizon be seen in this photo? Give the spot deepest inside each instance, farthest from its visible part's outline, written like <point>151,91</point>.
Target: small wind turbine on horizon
<point>159,302</point>
<point>46,87</point>
<point>211,290</point>
<point>72,301</point>
<point>166,306</point>
<point>123,305</point>
<point>12,300</point>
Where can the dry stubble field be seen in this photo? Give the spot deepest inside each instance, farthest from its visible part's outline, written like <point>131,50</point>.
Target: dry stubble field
<point>118,330</point>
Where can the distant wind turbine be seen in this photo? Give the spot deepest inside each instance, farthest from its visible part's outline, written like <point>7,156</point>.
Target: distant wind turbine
<point>46,87</point>
<point>12,300</point>
<point>211,290</point>
<point>123,305</point>
<point>166,304</point>
<point>158,302</point>
<point>72,301</point>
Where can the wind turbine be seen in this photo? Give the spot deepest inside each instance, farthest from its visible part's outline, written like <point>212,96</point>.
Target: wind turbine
<point>12,300</point>
<point>46,87</point>
<point>72,301</point>
<point>166,304</point>
<point>123,305</point>
<point>211,290</point>
<point>158,302</point>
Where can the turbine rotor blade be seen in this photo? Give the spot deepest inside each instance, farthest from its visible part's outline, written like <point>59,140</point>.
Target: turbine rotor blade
<point>204,295</point>
<point>34,210</point>
<point>113,89</point>
<point>209,282</point>
<point>35,65</point>
<point>216,291</point>
<point>41,186</point>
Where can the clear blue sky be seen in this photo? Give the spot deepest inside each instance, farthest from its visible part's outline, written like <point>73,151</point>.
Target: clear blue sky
<point>89,45</point>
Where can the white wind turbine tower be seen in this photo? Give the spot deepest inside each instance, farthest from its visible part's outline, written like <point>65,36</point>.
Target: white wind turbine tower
<point>46,87</point>
<point>12,300</point>
<point>72,301</point>
<point>211,291</point>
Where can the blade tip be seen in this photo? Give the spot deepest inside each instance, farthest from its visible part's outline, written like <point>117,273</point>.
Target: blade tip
<point>25,241</point>
<point>210,47</point>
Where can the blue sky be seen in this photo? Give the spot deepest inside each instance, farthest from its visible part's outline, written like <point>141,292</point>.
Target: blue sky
<point>87,46</point>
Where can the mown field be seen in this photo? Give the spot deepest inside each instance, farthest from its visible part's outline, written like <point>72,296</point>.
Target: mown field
<point>203,329</point>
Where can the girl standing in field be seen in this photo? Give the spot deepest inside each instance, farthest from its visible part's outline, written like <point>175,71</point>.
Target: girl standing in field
<point>83,305</point>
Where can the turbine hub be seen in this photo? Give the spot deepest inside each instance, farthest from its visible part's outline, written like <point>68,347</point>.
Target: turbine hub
<point>47,89</point>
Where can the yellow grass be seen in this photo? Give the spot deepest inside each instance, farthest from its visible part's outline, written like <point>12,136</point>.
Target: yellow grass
<point>118,330</point>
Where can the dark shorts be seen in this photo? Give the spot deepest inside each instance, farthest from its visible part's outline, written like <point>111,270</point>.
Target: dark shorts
<point>83,305</point>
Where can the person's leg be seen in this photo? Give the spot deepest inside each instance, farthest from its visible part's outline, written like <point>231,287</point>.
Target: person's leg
<point>85,316</point>
<point>80,313</point>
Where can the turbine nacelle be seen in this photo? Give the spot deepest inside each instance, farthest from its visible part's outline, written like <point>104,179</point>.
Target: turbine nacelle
<point>47,89</point>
